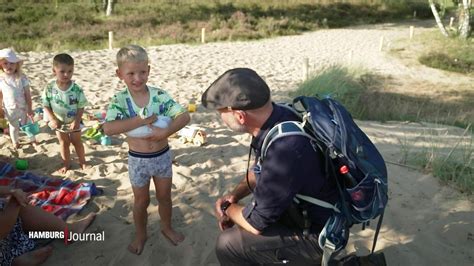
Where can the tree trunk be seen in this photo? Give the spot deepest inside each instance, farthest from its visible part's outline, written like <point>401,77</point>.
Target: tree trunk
<point>108,12</point>
<point>465,26</point>
<point>438,19</point>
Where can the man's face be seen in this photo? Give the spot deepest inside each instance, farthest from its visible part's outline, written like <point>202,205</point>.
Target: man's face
<point>228,116</point>
<point>134,74</point>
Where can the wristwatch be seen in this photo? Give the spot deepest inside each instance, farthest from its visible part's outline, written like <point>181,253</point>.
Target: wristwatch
<point>224,206</point>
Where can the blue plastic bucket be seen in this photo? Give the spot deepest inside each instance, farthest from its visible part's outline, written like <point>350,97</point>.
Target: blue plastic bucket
<point>31,129</point>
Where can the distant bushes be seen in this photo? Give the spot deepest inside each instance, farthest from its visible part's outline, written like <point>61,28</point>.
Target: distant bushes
<point>40,25</point>
<point>365,96</point>
<point>443,61</point>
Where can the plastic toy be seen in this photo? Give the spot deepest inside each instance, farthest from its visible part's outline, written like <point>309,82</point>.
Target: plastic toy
<point>21,164</point>
<point>31,128</point>
<point>191,107</point>
<point>105,140</point>
<point>192,134</point>
<point>3,123</point>
<point>94,133</point>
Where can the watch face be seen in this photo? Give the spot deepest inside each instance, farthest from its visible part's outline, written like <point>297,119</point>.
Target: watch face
<point>225,205</point>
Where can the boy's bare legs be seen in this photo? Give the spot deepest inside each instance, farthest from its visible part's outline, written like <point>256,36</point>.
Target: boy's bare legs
<point>79,147</point>
<point>140,217</point>
<point>64,142</point>
<point>163,195</point>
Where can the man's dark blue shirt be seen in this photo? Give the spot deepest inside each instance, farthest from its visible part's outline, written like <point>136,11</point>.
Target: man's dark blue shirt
<point>291,166</point>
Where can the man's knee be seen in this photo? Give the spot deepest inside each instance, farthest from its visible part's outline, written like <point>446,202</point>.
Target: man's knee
<point>223,241</point>
<point>227,245</point>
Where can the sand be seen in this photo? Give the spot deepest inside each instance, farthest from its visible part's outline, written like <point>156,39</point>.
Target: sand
<point>426,222</point>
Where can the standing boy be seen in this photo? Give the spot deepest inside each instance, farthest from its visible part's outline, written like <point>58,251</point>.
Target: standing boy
<point>64,102</point>
<point>149,157</point>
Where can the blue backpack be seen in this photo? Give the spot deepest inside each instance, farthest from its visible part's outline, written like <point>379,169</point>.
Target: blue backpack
<point>350,158</point>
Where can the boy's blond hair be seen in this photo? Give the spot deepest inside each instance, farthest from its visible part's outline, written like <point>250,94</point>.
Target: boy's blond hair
<point>131,53</point>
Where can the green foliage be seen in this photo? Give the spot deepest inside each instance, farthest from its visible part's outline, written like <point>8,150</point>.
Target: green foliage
<point>340,83</point>
<point>452,54</point>
<point>364,95</point>
<point>446,62</point>
<point>454,167</point>
<point>41,25</point>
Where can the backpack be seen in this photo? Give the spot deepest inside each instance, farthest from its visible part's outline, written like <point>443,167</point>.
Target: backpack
<point>350,157</point>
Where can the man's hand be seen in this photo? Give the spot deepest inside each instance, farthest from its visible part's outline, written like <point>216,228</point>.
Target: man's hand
<point>230,198</point>
<point>20,196</point>
<point>225,223</point>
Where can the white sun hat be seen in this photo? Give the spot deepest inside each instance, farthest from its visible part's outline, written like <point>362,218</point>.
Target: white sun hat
<point>9,55</point>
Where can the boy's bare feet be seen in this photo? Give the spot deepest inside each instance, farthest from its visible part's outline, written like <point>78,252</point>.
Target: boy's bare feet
<point>136,247</point>
<point>81,225</point>
<point>84,166</point>
<point>174,237</point>
<point>63,169</point>
<point>35,257</point>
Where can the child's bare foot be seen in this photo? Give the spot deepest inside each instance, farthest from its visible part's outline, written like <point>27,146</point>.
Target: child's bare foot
<point>174,237</point>
<point>136,247</point>
<point>35,257</point>
<point>63,169</point>
<point>84,166</point>
<point>81,225</point>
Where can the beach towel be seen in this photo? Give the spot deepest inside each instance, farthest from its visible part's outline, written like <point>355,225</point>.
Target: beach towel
<point>62,197</point>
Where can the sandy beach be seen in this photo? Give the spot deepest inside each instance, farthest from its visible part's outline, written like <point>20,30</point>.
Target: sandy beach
<point>426,222</point>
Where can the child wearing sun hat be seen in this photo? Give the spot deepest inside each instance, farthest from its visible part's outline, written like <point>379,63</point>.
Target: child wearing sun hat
<point>15,96</point>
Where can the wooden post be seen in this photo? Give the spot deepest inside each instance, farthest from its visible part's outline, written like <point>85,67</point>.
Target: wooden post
<point>381,44</point>
<point>203,35</point>
<point>111,40</point>
<point>412,31</point>
<point>305,69</point>
<point>414,14</point>
<point>451,21</point>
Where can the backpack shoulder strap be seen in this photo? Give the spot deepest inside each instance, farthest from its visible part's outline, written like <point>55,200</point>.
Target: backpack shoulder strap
<point>292,128</point>
<point>283,129</point>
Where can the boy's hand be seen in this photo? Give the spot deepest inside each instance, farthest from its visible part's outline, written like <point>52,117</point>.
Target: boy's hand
<point>157,134</point>
<point>74,125</point>
<point>149,120</point>
<point>30,113</point>
<point>54,123</point>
